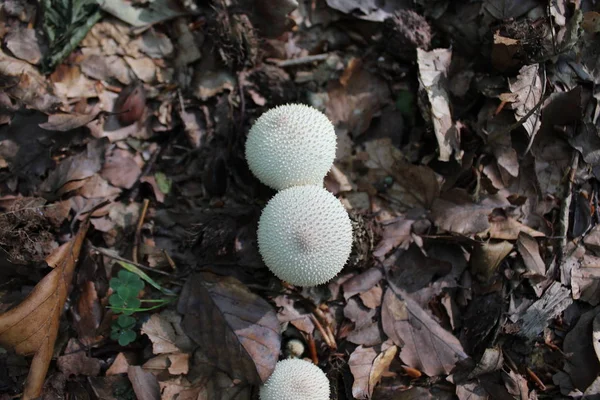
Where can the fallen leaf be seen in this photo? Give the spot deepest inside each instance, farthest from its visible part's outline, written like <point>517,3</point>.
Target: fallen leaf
<point>433,69</point>
<point>370,10</point>
<point>456,212</point>
<point>525,93</point>
<point>66,122</point>
<point>121,169</point>
<point>75,361</point>
<point>530,251</point>
<point>238,330</point>
<point>583,365</point>
<point>425,345</point>
<point>288,313</point>
<point>353,106</point>
<point>156,12</point>
<point>145,385</point>
<point>32,326</point>
<point>120,365</point>
<point>487,257</point>
<point>507,9</point>
<point>162,334</point>
<point>87,314</point>
<point>75,168</point>
<point>23,44</point>
<point>362,282</point>
<point>367,365</point>
<point>30,87</point>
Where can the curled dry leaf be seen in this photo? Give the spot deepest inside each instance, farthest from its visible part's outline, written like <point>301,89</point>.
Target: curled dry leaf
<point>131,103</point>
<point>32,326</point>
<point>238,330</point>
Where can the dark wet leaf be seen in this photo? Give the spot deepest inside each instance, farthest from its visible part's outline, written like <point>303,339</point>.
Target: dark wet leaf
<point>583,366</point>
<point>507,9</point>
<point>238,330</point>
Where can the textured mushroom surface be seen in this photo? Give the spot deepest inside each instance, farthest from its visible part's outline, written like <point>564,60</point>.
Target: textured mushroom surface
<point>305,235</point>
<point>296,380</point>
<point>291,145</point>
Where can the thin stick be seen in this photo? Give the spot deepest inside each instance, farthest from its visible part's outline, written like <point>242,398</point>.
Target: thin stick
<point>302,60</point>
<point>118,258</point>
<point>563,227</point>
<point>138,231</point>
<point>312,349</point>
<point>323,333</point>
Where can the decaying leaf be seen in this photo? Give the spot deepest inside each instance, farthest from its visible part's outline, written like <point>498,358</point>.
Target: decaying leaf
<point>32,326</point>
<point>238,330</point>
<point>425,345</point>
<point>525,93</point>
<point>433,70</point>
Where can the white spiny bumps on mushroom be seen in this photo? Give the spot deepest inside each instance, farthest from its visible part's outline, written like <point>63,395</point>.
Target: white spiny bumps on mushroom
<point>296,379</point>
<point>291,145</point>
<point>305,235</point>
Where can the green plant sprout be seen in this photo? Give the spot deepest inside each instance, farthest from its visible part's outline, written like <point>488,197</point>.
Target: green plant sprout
<point>126,287</point>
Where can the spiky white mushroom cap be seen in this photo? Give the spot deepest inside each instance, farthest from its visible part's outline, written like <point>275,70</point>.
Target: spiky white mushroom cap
<point>295,379</point>
<point>305,235</point>
<point>291,145</point>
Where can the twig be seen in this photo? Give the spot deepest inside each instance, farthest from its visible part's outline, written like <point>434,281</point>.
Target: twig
<point>169,260</point>
<point>119,258</point>
<point>563,227</point>
<point>302,60</point>
<point>326,337</point>
<point>536,379</point>
<point>138,231</point>
<point>312,349</point>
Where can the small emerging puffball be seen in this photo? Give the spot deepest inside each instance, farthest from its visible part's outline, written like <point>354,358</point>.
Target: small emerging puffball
<point>305,235</point>
<point>294,348</point>
<point>291,145</point>
<point>295,379</point>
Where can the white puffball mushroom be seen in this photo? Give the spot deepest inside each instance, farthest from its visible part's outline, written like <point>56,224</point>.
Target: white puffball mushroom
<point>295,379</point>
<point>305,235</point>
<point>291,145</point>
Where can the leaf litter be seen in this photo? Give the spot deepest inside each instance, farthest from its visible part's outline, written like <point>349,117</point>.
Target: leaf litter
<point>467,158</point>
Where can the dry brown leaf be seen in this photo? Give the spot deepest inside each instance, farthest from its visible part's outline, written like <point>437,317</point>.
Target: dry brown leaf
<point>32,326</point>
<point>145,385</point>
<point>75,361</point>
<point>530,251</point>
<point>367,365</point>
<point>120,365</point>
<point>426,346</point>
<point>161,334</point>
<point>121,169</point>
<point>66,122</point>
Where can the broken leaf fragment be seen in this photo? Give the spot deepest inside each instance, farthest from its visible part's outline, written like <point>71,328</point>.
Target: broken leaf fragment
<point>433,70</point>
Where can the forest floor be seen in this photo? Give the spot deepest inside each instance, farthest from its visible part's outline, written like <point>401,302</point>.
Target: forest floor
<point>467,155</point>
